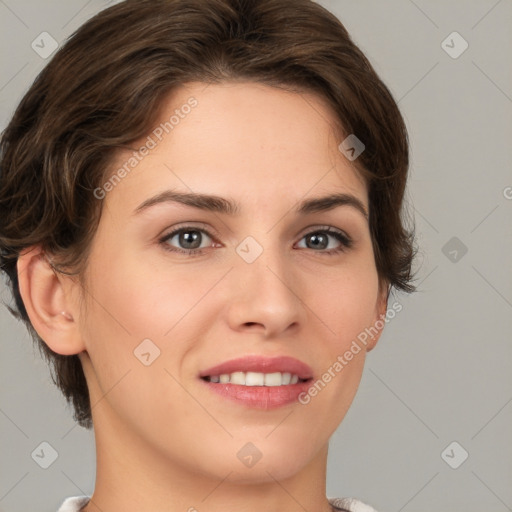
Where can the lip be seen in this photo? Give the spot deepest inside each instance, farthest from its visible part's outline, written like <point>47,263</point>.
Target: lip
<point>261,364</point>
<point>260,397</point>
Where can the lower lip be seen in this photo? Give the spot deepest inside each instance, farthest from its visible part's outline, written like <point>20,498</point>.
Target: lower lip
<point>260,397</point>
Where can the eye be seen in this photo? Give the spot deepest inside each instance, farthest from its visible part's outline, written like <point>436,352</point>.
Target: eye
<point>189,239</point>
<point>324,238</point>
<point>192,240</point>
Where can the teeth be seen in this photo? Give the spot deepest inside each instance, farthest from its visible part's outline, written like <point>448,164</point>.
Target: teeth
<point>237,378</point>
<point>272,379</point>
<point>256,379</point>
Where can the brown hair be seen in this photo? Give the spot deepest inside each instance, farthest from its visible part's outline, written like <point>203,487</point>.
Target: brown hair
<point>102,90</point>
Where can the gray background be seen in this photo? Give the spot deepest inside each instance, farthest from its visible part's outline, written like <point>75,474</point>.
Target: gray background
<point>441,371</point>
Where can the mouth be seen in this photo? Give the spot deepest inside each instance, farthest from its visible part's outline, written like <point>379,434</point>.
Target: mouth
<point>259,382</point>
<point>256,379</point>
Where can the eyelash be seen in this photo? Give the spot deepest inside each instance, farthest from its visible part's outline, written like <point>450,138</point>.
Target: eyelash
<point>345,241</point>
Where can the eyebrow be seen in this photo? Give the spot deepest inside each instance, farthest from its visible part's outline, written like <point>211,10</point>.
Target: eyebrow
<point>221,205</point>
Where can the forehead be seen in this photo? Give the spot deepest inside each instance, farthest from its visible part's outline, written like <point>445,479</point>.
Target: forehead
<point>251,141</point>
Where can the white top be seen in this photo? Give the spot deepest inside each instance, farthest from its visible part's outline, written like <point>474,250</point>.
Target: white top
<point>344,504</point>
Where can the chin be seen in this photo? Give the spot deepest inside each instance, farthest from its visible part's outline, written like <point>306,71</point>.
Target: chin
<point>262,460</point>
<point>264,472</point>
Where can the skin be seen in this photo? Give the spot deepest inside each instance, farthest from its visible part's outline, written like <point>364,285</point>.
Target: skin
<point>163,442</point>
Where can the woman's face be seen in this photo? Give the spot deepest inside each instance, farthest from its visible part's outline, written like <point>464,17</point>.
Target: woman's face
<point>286,290</point>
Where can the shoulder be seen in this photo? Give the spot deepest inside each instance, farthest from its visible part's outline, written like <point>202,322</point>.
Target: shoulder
<point>74,504</point>
<point>350,505</point>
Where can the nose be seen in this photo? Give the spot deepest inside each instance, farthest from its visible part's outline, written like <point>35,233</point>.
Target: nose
<point>264,296</point>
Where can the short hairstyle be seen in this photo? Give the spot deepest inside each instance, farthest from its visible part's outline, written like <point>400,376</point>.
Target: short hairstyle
<point>104,87</point>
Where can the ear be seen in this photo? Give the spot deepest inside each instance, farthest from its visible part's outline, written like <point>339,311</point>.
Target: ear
<point>50,299</point>
<point>381,307</point>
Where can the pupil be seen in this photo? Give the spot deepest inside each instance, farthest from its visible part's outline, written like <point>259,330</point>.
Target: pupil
<point>319,240</point>
<point>190,237</point>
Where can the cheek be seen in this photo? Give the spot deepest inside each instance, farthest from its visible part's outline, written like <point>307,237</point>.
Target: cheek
<point>128,303</point>
<point>346,301</point>
<point>346,308</point>
<point>136,300</point>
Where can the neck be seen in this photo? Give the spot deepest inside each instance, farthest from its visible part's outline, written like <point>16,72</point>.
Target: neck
<point>134,477</point>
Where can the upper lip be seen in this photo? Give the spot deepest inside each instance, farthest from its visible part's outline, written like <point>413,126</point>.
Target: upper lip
<point>261,364</point>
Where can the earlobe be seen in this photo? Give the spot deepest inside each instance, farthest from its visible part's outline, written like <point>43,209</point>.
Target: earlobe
<point>48,300</point>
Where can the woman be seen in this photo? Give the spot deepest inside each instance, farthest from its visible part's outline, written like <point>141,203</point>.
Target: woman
<point>201,221</point>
